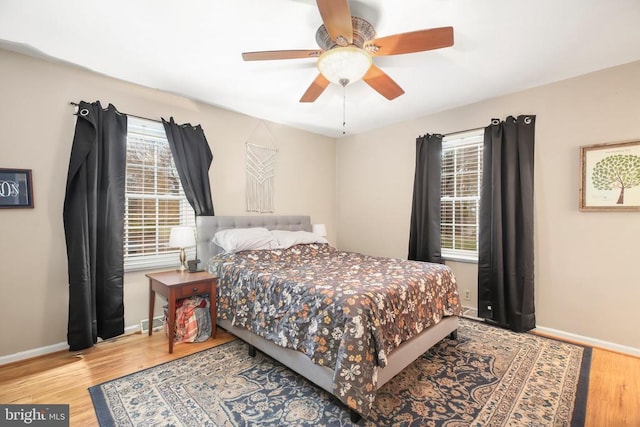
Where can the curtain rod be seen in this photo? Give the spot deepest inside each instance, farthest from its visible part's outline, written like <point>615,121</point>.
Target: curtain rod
<point>75,104</point>
<point>463,131</point>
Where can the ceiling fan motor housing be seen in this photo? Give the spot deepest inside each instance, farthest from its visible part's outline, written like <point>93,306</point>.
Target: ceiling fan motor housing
<point>362,32</point>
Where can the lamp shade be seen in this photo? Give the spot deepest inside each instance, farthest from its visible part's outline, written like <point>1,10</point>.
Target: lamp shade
<point>344,65</point>
<point>319,229</point>
<point>182,237</point>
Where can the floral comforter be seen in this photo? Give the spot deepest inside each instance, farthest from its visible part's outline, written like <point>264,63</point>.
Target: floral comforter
<point>344,310</point>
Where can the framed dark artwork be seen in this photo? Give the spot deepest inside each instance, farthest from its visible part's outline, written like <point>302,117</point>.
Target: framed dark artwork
<point>16,188</point>
<point>610,178</point>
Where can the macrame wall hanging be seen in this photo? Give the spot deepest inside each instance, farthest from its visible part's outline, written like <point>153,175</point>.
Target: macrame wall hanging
<point>261,169</point>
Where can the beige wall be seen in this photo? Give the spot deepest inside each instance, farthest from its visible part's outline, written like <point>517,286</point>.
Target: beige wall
<point>586,276</point>
<point>36,132</point>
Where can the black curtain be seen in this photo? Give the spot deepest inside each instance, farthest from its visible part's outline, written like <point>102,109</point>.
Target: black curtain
<point>424,232</point>
<point>94,225</point>
<point>192,156</point>
<point>505,246</point>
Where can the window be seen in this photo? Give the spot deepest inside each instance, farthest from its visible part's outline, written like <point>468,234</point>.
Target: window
<point>154,198</point>
<point>460,195</point>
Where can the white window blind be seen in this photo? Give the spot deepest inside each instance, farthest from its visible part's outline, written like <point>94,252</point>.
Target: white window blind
<point>154,199</point>
<point>460,195</point>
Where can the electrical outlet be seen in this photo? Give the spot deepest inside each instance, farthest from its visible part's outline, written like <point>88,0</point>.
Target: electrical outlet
<point>467,295</point>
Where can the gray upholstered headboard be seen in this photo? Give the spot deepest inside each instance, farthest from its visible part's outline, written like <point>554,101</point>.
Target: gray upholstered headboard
<point>208,225</point>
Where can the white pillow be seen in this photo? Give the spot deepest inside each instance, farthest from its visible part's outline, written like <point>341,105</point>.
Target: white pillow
<point>244,239</point>
<point>286,239</point>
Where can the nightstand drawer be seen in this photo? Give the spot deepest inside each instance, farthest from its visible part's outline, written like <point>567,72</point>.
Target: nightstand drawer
<point>195,289</point>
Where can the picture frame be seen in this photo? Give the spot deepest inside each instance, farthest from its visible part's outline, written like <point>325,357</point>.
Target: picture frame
<point>16,188</point>
<point>610,177</point>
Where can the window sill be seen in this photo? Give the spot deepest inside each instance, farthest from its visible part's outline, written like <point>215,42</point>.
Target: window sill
<point>460,258</point>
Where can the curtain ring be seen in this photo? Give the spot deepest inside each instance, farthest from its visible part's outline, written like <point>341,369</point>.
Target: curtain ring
<point>495,121</point>
<point>84,112</point>
<point>527,120</point>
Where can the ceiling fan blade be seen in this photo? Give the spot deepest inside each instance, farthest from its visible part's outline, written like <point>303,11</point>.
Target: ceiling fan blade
<point>415,41</point>
<point>336,17</point>
<point>315,90</point>
<point>281,54</point>
<point>382,83</point>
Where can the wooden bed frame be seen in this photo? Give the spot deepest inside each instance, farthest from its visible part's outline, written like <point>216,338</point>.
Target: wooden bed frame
<point>322,376</point>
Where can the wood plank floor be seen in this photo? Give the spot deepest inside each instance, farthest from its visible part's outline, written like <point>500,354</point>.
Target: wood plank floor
<point>63,377</point>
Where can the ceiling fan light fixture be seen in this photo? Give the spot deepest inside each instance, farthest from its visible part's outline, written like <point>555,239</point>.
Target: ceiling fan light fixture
<point>344,65</point>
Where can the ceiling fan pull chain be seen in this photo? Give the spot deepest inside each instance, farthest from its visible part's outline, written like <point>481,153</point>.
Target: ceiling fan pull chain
<point>344,108</point>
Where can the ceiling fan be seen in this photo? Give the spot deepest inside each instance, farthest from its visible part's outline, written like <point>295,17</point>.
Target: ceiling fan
<point>347,47</point>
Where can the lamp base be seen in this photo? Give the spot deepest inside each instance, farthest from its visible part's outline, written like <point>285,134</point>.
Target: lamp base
<point>183,261</point>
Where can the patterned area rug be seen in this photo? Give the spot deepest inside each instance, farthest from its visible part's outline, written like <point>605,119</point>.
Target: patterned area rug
<point>488,376</point>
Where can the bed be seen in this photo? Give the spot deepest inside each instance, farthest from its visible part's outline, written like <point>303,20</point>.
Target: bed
<point>350,354</point>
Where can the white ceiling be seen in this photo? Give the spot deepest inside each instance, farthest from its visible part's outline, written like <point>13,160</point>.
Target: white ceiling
<point>193,48</point>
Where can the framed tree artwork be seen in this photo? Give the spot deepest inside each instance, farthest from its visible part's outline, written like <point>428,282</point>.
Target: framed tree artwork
<point>610,178</point>
<point>16,188</point>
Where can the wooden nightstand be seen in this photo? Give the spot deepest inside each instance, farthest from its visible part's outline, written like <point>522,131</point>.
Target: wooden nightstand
<point>174,285</point>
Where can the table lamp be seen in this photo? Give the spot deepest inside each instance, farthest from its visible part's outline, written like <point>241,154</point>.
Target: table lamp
<point>182,237</point>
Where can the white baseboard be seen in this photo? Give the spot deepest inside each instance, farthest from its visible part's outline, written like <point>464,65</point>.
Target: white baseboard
<point>9,358</point>
<point>132,329</point>
<point>470,313</point>
<point>593,342</point>
<point>554,332</point>
<point>40,351</point>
